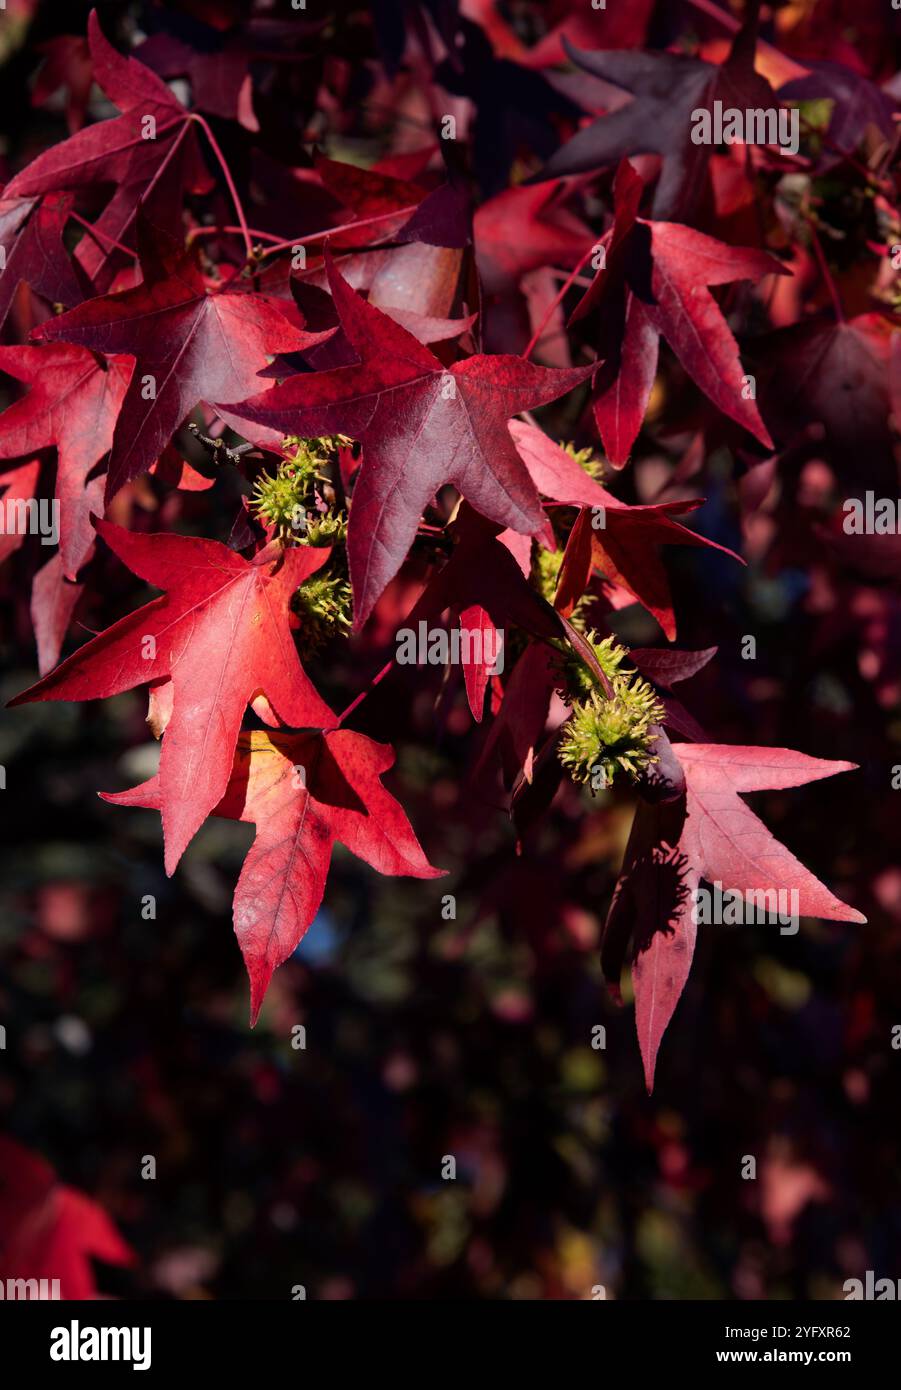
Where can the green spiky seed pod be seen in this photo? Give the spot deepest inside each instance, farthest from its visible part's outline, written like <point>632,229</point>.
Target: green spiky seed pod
<point>309,455</point>
<point>546,571</point>
<point>605,736</point>
<point>611,655</point>
<point>279,501</point>
<point>326,530</point>
<point>324,605</point>
<point>283,500</point>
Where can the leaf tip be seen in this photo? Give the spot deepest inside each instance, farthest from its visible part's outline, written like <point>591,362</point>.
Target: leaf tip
<point>259,974</point>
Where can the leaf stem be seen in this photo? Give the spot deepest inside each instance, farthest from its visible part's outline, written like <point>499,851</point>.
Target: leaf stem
<point>333,231</point>
<point>101,238</point>
<point>223,165</point>
<point>164,163</point>
<point>376,680</point>
<point>197,232</point>
<point>570,279</point>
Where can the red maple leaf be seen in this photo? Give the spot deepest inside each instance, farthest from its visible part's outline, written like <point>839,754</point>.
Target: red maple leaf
<point>67,65</point>
<point>626,547</point>
<point>73,404</point>
<point>668,89</point>
<point>31,234</point>
<point>485,589</point>
<point>522,229</point>
<point>654,284</point>
<point>53,602</point>
<point>20,485</point>
<point>50,1231</point>
<point>221,633</point>
<point>710,835</point>
<point>153,135</point>
<point>189,344</point>
<point>421,425</point>
<point>520,723</point>
<point>303,792</point>
<point>382,204</point>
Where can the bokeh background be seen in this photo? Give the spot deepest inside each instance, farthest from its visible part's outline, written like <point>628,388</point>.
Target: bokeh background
<point>322,1167</point>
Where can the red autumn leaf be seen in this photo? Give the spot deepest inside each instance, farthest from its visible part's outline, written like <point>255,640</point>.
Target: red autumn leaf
<point>413,284</point>
<point>381,203</point>
<point>67,64</point>
<point>217,72</point>
<point>626,547</point>
<point>72,405</point>
<point>655,284</point>
<point>713,836</point>
<point>378,206</point>
<point>50,1231</point>
<point>303,792</point>
<point>53,601</point>
<point>668,88</point>
<point>20,485</point>
<point>31,237</point>
<point>189,344</point>
<point>416,279</point>
<point>421,425</point>
<point>221,632</point>
<point>171,468</point>
<point>476,621</point>
<point>520,723</point>
<point>546,233</point>
<point>129,152</point>
<point>485,589</point>
<point>665,667</point>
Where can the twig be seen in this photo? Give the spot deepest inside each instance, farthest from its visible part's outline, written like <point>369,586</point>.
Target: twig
<point>217,447</point>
